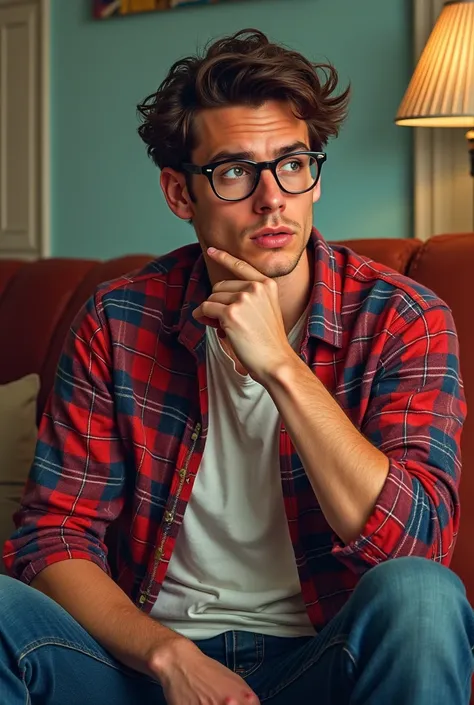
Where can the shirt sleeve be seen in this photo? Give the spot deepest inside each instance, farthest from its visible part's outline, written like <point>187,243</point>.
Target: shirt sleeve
<point>75,485</point>
<point>415,416</point>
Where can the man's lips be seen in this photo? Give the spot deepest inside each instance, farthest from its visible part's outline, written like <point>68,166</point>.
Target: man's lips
<point>273,239</point>
<point>272,231</point>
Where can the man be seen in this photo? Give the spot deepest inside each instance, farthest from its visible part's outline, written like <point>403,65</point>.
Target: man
<point>272,424</point>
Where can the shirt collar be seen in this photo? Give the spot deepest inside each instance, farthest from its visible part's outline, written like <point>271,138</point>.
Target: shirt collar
<point>324,319</point>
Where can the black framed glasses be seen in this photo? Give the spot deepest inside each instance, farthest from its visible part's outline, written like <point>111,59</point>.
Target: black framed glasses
<point>237,179</point>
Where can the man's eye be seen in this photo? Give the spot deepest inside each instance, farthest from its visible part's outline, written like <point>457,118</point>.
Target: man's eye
<point>235,172</point>
<point>294,165</point>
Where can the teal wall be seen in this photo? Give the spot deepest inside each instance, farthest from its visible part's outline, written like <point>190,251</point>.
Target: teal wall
<point>106,199</point>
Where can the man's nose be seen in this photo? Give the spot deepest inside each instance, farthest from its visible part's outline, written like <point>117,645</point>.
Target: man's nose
<point>268,196</point>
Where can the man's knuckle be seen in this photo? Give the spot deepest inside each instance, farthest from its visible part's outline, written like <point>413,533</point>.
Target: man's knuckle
<point>231,314</point>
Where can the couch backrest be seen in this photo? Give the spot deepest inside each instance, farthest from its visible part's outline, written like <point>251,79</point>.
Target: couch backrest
<point>38,301</point>
<point>445,265</point>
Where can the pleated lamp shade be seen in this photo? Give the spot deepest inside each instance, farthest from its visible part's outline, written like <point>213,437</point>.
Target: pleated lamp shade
<point>441,91</point>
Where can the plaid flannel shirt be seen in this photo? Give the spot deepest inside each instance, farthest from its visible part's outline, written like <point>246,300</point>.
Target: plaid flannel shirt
<point>124,429</point>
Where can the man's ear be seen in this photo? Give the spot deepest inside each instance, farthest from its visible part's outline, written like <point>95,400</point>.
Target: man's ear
<point>317,192</point>
<point>173,185</point>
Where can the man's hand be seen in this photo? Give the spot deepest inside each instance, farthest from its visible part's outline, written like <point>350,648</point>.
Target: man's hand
<point>188,677</point>
<point>246,308</point>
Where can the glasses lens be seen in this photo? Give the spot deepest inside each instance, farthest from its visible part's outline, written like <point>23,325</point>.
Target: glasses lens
<point>298,173</point>
<point>234,180</point>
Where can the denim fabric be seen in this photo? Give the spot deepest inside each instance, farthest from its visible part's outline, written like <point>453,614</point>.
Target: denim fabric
<point>404,637</point>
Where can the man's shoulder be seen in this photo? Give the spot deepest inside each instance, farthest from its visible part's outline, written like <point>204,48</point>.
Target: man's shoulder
<point>169,270</point>
<point>365,278</point>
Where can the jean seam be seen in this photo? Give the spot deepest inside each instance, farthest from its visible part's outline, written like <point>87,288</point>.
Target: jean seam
<point>54,641</point>
<point>63,643</point>
<point>333,642</point>
<point>226,648</point>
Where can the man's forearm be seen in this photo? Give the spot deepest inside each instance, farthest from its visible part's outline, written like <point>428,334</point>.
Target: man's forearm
<point>108,615</point>
<point>347,472</point>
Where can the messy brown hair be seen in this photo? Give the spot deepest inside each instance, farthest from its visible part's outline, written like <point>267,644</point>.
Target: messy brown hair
<point>242,69</point>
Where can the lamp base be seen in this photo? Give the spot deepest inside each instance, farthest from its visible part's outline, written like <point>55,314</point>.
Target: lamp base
<point>470,139</point>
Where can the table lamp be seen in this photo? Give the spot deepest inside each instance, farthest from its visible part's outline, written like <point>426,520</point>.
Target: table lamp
<point>441,91</point>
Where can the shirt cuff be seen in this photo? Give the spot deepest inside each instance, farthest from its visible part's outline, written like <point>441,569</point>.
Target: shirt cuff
<point>34,567</point>
<point>384,531</point>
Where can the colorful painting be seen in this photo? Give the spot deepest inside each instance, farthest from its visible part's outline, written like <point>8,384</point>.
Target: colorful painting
<point>103,9</point>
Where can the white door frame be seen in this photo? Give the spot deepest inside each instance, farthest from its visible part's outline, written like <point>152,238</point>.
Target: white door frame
<point>43,177</point>
<point>443,187</point>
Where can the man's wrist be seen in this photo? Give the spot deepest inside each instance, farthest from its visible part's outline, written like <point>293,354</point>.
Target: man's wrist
<point>283,371</point>
<point>164,656</point>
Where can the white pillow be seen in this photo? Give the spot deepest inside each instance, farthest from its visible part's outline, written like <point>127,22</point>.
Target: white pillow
<point>18,428</point>
<point>18,434</point>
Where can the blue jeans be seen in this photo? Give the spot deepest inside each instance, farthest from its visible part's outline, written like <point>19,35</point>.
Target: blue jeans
<point>405,636</point>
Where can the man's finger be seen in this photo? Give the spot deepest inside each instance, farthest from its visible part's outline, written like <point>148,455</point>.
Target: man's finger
<point>225,297</point>
<point>217,303</point>
<point>209,309</point>
<point>240,269</point>
<point>231,285</point>
<point>211,322</point>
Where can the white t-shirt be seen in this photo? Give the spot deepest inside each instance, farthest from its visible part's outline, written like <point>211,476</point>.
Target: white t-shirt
<point>233,566</point>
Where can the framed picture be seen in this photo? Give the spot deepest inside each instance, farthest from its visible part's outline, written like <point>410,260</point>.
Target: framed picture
<point>103,9</point>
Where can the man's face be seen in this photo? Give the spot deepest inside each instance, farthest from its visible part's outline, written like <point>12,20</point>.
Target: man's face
<point>263,133</point>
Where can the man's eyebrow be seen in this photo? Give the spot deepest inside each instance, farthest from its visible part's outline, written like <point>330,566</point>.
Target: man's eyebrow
<point>295,147</point>
<point>225,154</point>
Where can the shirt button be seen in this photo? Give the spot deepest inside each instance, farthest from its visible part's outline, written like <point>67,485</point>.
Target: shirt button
<point>169,516</point>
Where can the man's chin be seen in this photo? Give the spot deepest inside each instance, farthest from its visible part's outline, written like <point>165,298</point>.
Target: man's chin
<point>280,267</point>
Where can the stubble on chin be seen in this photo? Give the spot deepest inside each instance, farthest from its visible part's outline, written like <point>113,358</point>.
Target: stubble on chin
<point>278,270</point>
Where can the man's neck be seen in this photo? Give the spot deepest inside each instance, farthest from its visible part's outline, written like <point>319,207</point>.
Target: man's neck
<point>294,290</point>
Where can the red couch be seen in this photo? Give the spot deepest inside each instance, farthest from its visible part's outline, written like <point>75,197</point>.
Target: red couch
<point>39,299</point>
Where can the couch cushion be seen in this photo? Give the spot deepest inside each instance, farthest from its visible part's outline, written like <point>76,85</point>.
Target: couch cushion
<point>17,428</point>
<point>17,446</point>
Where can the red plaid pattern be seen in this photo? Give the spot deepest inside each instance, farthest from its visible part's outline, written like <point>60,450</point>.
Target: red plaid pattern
<point>124,430</point>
